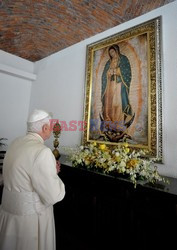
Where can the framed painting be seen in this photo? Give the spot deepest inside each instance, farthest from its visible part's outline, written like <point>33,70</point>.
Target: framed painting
<point>123,90</point>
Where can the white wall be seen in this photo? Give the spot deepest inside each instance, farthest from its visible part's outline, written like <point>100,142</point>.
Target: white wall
<point>61,79</point>
<point>16,76</point>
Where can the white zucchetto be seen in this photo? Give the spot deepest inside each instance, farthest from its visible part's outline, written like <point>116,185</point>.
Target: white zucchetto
<point>38,115</point>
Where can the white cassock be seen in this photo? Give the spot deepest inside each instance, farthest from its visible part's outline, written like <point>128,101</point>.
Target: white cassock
<point>31,187</point>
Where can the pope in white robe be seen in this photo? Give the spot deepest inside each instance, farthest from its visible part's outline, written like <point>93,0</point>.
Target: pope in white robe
<point>31,187</point>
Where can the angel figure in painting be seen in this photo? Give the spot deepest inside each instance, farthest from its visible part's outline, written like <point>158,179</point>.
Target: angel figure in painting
<point>117,114</point>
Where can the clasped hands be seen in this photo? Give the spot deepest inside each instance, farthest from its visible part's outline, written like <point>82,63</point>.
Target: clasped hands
<point>58,166</point>
<point>112,72</point>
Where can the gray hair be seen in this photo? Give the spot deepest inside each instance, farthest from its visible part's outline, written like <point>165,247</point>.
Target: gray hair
<point>36,127</point>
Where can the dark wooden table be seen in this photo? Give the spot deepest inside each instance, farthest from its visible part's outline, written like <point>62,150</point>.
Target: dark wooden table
<point>106,212</point>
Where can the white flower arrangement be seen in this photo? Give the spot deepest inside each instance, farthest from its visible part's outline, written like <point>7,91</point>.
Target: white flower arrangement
<point>120,160</point>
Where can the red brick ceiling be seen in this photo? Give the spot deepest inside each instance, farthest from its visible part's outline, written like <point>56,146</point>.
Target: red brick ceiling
<point>34,29</point>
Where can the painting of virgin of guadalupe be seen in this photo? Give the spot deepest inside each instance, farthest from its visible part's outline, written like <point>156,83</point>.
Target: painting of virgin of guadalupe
<point>116,107</point>
<point>119,98</point>
<point>123,89</point>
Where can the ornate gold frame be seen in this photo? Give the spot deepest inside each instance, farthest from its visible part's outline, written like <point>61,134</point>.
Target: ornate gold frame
<point>153,30</point>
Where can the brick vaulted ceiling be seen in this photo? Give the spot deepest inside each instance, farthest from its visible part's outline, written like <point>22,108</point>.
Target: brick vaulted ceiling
<point>34,29</point>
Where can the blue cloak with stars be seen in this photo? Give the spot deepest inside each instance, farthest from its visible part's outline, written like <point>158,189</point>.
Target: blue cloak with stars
<point>125,78</point>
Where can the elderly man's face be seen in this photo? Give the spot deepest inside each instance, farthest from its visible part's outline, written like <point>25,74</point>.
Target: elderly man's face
<point>46,131</point>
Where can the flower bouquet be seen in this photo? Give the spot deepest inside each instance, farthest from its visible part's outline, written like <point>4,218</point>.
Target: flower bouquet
<point>122,160</point>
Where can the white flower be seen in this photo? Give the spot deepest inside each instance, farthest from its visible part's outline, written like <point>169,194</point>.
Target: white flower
<point>117,154</point>
<point>111,168</point>
<point>122,164</point>
<point>79,160</point>
<point>102,160</point>
<point>143,173</point>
